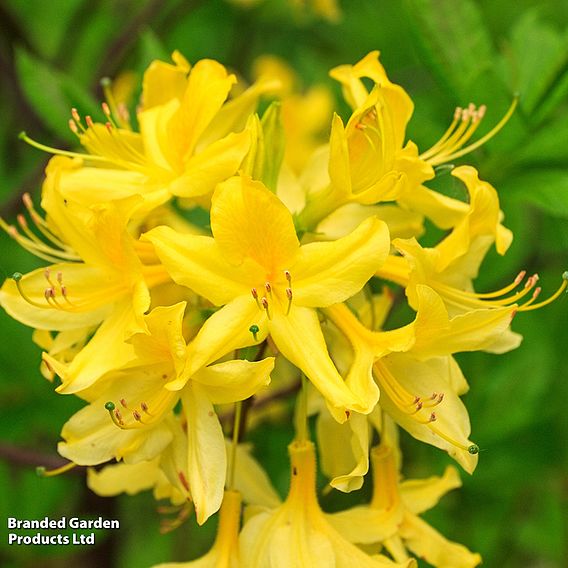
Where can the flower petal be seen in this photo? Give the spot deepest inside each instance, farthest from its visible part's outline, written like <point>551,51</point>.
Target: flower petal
<point>299,338</point>
<point>427,543</point>
<point>197,262</point>
<point>215,164</point>
<point>231,381</point>
<point>249,221</point>
<point>421,495</point>
<point>206,460</point>
<point>329,273</point>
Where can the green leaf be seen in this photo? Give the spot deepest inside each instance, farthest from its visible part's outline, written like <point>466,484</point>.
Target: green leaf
<point>543,146</point>
<point>538,54</point>
<point>454,40</point>
<point>52,93</point>
<point>46,23</point>
<point>545,189</point>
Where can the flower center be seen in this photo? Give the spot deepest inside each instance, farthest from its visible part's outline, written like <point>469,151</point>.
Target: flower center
<point>271,295</point>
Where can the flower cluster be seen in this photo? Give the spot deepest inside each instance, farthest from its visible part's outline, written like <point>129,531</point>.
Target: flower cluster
<point>200,255</point>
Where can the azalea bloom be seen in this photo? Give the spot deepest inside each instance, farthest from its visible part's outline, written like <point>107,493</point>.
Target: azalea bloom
<point>402,502</point>
<point>255,267</point>
<point>225,550</point>
<point>298,533</point>
<point>141,425</point>
<point>97,279</point>
<point>190,137</point>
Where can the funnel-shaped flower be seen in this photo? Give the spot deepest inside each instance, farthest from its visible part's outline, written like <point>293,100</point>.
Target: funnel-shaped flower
<point>404,501</point>
<point>298,533</point>
<point>268,283</point>
<point>130,412</point>
<point>97,278</point>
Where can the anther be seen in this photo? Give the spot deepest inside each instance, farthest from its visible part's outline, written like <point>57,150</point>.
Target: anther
<point>183,480</point>
<point>255,296</point>
<point>264,303</point>
<point>89,121</point>
<point>106,109</point>
<point>123,402</point>
<point>288,277</point>
<point>137,416</point>
<point>76,116</point>
<point>254,329</point>
<point>73,126</point>
<point>144,407</point>
<point>433,417</point>
<point>268,287</point>
<point>289,296</point>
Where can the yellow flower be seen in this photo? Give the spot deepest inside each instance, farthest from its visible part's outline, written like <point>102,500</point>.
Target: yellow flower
<point>412,367</point>
<point>97,278</point>
<point>141,425</point>
<point>255,267</point>
<point>403,501</point>
<point>225,550</point>
<point>190,137</point>
<point>298,533</point>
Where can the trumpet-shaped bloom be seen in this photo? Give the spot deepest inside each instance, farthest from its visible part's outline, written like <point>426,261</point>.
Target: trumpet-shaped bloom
<point>190,137</point>
<point>298,533</point>
<point>404,501</point>
<point>255,267</point>
<point>225,550</point>
<point>97,278</point>
<point>412,368</point>
<point>141,425</point>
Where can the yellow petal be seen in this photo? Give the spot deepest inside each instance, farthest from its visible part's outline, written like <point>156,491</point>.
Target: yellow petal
<point>213,165</point>
<point>163,82</point>
<point>422,379</point>
<point>251,480</point>
<point>429,544</point>
<point>198,263</point>
<point>106,351</point>
<point>206,459</point>
<point>344,450</point>
<point>331,272</point>
<point>90,292</point>
<point>249,221</point>
<point>421,495</point>
<point>236,380</point>
<point>207,88</point>
<point>123,478</point>
<point>366,525</point>
<point>226,330</point>
<point>299,338</point>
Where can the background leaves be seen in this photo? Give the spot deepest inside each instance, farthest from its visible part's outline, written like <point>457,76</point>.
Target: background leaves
<point>445,53</point>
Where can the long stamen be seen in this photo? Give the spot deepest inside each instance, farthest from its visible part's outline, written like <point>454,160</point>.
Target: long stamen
<point>23,136</point>
<point>42,472</point>
<point>529,306</point>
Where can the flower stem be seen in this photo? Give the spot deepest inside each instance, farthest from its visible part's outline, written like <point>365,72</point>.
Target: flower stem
<point>301,415</point>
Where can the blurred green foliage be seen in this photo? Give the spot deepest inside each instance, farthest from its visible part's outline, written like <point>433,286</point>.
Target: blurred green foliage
<point>445,53</point>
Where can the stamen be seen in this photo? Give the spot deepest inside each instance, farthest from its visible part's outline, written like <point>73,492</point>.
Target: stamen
<point>23,136</point>
<point>288,277</point>
<point>528,306</point>
<point>264,303</point>
<point>255,296</point>
<point>289,296</point>
<point>183,480</point>
<point>137,416</point>
<point>268,288</point>
<point>455,152</point>
<point>42,472</point>
<point>123,402</point>
<point>115,415</point>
